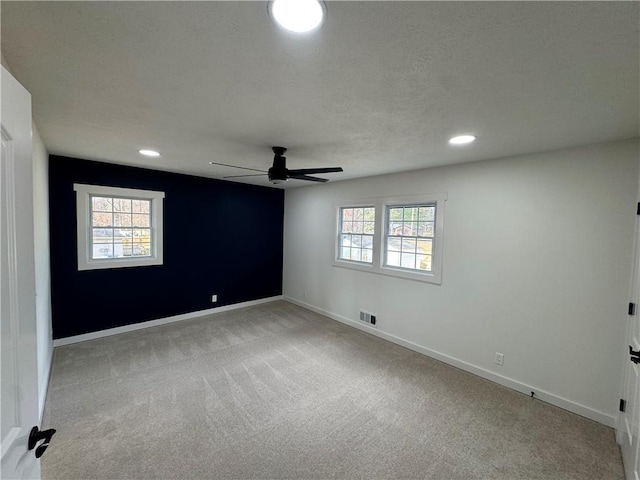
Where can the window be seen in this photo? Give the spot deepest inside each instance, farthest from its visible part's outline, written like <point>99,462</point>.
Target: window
<point>118,227</point>
<point>409,244</point>
<point>357,225</point>
<point>409,237</point>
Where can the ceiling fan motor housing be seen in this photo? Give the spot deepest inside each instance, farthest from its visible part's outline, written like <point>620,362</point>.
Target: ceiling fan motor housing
<point>278,173</point>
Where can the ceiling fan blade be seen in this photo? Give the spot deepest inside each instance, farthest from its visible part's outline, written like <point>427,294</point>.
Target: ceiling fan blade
<point>238,176</point>
<point>235,166</point>
<point>304,171</point>
<point>307,177</point>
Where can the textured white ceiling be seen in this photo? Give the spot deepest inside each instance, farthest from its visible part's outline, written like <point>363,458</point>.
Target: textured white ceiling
<point>380,88</point>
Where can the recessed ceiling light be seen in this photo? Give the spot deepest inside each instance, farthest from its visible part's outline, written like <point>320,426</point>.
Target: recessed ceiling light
<point>462,139</point>
<point>149,153</point>
<point>298,15</point>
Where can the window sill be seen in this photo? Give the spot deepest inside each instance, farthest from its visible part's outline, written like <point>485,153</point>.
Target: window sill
<point>389,271</point>
<point>118,263</point>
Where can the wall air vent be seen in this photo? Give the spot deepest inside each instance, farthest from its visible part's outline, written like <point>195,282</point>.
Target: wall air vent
<point>367,317</point>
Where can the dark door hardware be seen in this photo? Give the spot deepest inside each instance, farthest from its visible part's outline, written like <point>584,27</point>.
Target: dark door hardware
<point>635,355</point>
<point>632,309</point>
<point>36,435</point>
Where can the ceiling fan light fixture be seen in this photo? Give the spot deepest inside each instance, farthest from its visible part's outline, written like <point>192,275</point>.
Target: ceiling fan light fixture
<point>149,153</point>
<point>299,16</point>
<point>462,139</point>
<point>276,181</point>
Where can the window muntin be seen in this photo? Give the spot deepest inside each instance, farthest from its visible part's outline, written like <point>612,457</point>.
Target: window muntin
<point>410,235</point>
<point>355,236</point>
<point>118,227</point>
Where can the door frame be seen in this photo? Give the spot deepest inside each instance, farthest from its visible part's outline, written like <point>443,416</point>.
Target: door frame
<point>16,202</point>
<point>628,421</point>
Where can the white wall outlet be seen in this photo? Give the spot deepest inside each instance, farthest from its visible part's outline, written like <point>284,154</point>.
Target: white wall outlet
<point>214,298</point>
<point>499,359</point>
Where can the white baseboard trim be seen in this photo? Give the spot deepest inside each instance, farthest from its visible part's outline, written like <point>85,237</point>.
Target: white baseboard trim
<point>543,395</point>
<point>161,321</point>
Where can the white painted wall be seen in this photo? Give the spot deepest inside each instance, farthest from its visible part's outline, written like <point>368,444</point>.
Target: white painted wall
<point>42,265</point>
<point>537,262</point>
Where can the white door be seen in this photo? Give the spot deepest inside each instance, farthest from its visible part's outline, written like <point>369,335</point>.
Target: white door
<point>629,420</point>
<point>18,387</point>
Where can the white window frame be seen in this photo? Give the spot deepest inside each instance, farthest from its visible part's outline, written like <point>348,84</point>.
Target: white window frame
<point>83,217</point>
<point>374,254</point>
<point>381,205</point>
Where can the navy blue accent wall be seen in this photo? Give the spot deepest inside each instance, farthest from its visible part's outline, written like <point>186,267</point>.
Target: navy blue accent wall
<point>220,238</point>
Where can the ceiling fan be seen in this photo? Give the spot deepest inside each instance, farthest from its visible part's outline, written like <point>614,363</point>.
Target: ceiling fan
<point>279,172</point>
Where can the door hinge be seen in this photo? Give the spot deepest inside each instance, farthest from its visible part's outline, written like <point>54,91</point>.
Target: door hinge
<point>623,405</point>
<point>632,309</point>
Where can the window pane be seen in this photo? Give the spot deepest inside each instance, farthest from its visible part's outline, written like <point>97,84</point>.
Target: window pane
<point>395,228</point>
<point>367,255</point>
<point>140,220</point>
<point>121,219</point>
<point>141,206</point>
<point>425,246</point>
<point>408,245</point>
<point>358,227</point>
<point>408,260</point>
<point>367,242</point>
<point>141,249</point>
<point>126,250</point>
<point>356,254</point>
<point>427,213</point>
<point>370,214</point>
<point>358,214</point>
<point>395,214</point>
<point>393,259</point>
<point>345,252</point>
<point>369,227</point>
<point>426,229</point>
<point>411,214</point>
<point>410,229</point>
<point>101,204</point>
<point>101,219</point>
<point>102,250</point>
<point>102,235</point>
<point>142,235</point>
<point>122,205</point>
<point>347,227</point>
<point>356,240</point>
<point>122,235</point>
<point>394,244</point>
<point>398,229</point>
<point>424,262</point>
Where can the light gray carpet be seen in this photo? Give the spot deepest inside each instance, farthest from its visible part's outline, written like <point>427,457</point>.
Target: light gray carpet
<point>277,391</point>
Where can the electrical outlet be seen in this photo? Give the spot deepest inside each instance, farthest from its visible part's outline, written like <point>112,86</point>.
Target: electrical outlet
<point>499,359</point>
<point>214,298</point>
